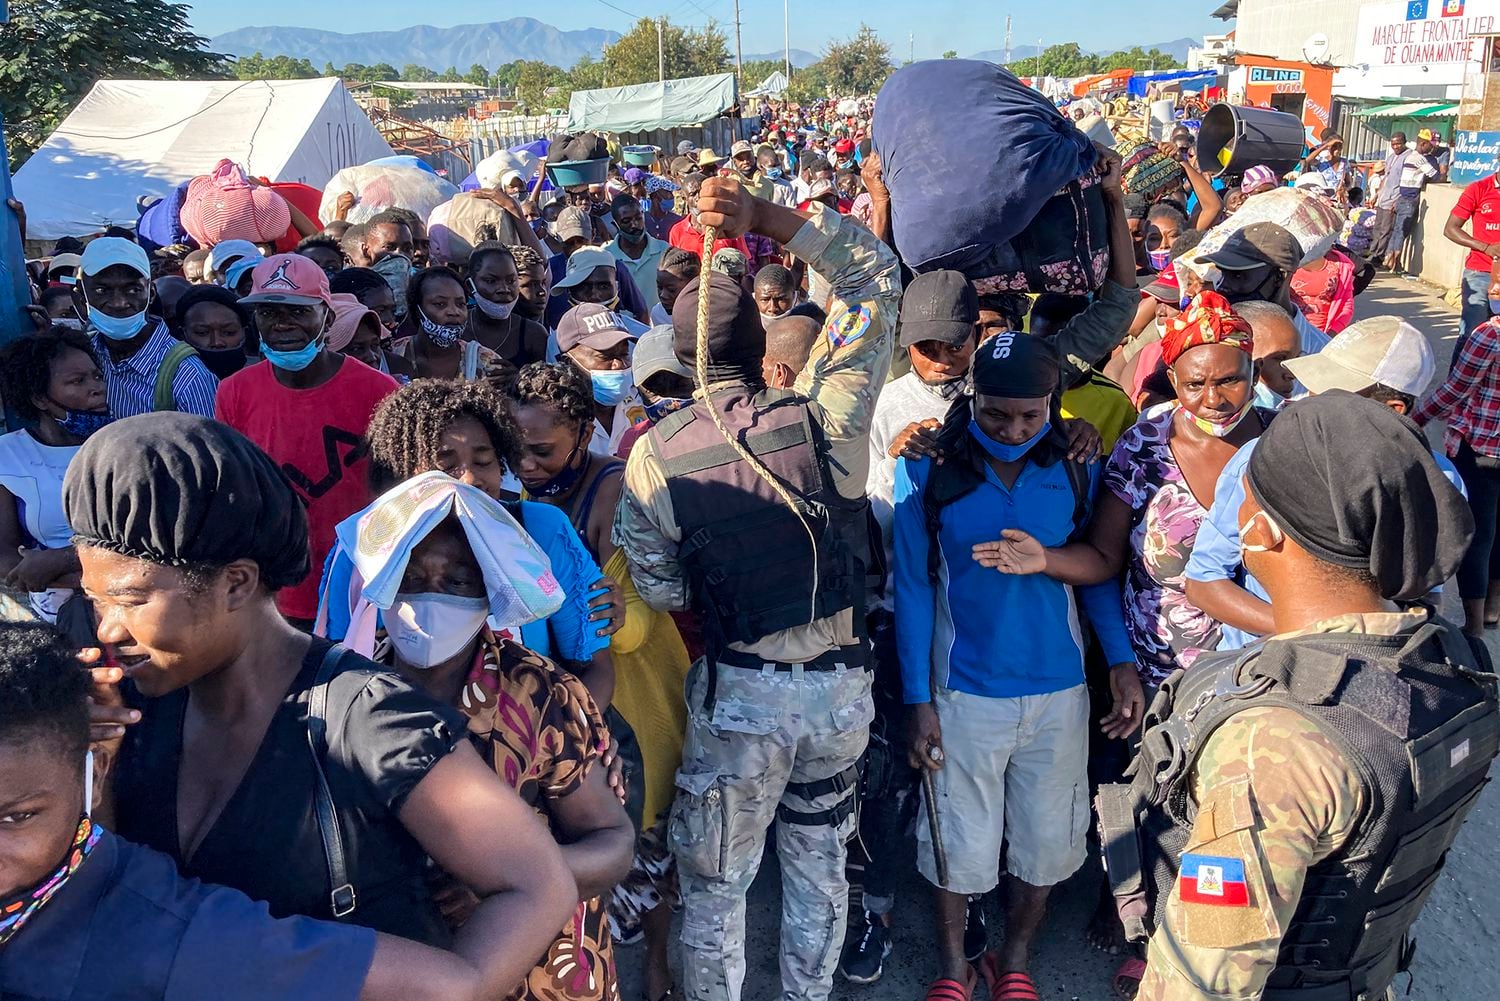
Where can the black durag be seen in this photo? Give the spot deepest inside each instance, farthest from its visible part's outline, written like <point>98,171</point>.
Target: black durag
<point>179,489</point>
<point>736,339</point>
<point>1354,484</point>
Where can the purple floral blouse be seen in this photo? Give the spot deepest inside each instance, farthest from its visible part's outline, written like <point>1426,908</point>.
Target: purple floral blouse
<point>1166,629</point>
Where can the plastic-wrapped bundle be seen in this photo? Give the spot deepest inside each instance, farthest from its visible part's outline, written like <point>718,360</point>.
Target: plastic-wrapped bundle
<point>378,187</point>
<point>224,205</point>
<point>997,185</point>
<point>1312,220</point>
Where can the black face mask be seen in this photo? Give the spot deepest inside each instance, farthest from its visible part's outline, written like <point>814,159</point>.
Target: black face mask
<point>223,362</point>
<point>1264,282</point>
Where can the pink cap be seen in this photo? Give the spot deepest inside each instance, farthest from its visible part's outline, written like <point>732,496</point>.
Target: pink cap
<point>1256,176</point>
<point>288,278</point>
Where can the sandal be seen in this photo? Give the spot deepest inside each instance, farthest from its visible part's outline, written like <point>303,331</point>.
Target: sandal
<point>951,990</point>
<point>1011,986</point>
<point>1127,979</point>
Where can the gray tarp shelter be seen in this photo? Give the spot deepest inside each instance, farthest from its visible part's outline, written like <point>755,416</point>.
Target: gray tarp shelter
<point>647,106</point>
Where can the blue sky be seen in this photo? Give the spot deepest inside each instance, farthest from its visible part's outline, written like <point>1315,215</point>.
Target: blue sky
<point>965,25</point>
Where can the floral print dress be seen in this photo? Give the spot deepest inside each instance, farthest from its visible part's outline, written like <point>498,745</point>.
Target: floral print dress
<point>1166,629</point>
<point>540,730</point>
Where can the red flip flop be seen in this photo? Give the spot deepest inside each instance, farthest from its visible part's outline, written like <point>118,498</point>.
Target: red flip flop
<point>1127,979</point>
<point>951,990</point>
<point>1012,986</point>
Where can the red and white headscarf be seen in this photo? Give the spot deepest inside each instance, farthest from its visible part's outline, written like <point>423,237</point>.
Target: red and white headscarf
<point>1209,319</point>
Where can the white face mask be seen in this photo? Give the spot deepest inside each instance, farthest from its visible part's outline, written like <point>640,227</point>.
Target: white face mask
<point>427,629</point>
<point>494,310</point>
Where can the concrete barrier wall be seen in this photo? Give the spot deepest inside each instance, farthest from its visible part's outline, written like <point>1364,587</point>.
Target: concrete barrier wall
<point>1430,256</point>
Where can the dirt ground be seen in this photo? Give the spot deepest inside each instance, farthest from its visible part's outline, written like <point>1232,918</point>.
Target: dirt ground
<point>1456,956</point>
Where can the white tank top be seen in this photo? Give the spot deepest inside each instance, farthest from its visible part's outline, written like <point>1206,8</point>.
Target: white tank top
<point>33,473</point>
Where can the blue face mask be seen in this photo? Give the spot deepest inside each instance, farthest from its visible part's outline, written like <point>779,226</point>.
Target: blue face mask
<point>293,361</point>
<point>611,387</point>
<point>1159,259</point>
<point>662,406</point>
<point>999,449</point>
<point>774,173</point>
<point>566,477</point>
<point>1495,307</point>
<point>117,328</point>
<point>82,423</point>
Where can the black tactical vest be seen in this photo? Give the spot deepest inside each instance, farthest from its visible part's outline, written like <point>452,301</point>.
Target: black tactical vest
<point>751,568</point>
<point>1418,721</point>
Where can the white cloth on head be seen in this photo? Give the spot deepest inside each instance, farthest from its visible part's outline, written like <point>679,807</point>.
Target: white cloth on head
<point>379,540</point>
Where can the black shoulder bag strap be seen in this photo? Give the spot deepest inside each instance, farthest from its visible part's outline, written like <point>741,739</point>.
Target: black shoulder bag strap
<point>343,897</point>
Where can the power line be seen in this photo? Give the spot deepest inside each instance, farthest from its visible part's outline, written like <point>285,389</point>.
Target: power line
<point>622,10</point>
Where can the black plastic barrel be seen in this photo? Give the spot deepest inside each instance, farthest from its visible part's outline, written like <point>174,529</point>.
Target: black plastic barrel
<point>1233,139</point>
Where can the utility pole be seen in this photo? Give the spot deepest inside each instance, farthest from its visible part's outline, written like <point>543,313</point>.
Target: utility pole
<point>739,59</point>
<point>911,47</point>
<point>1038,72</point>
<point>786,27</point>
<point>1007,39</point>
<point>661,56</point>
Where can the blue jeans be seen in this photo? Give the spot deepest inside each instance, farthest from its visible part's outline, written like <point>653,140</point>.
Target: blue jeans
<point>1403,213</point>
<point>1474,309</point>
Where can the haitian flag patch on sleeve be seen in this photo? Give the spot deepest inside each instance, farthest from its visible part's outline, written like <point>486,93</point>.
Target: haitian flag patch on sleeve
<point>1215,880</point>
<point>843,331</point>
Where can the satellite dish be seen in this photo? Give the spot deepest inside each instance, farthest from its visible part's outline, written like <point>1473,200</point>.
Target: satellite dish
<point>1315,49</point>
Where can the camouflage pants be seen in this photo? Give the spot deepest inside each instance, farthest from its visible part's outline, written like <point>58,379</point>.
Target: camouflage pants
<point>767,730</point>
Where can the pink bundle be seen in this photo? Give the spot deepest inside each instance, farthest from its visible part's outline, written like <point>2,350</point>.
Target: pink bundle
<point>224,205</point>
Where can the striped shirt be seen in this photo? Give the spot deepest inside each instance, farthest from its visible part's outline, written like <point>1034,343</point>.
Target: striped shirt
<point>130,383</point>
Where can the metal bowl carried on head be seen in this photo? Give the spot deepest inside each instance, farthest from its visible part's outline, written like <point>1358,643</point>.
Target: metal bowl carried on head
<point>1233,139</point>
<point>570,173</point>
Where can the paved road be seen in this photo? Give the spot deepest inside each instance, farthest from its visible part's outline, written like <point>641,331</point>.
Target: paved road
<point>1456,956</point>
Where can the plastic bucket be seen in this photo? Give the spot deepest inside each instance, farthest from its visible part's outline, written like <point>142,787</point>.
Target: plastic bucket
<point>569,173</point>
<point>640,156</point>
<point>1234,139</point>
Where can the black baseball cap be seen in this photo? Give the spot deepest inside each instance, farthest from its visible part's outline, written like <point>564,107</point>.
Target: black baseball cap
<point>939,306</point>
<point>1258,244</point>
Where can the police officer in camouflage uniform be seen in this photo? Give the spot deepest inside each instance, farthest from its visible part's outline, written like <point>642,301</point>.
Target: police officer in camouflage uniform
<point>1293,802</point>
<point>780,706</point>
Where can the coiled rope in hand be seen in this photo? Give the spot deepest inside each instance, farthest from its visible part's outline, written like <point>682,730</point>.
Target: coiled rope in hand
<point>700,370</point>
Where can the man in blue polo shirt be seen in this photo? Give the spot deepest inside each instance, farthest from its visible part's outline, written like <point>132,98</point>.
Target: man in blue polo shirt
<point>145,367</point>
<point>1383,358</point>
<point>992,664</point>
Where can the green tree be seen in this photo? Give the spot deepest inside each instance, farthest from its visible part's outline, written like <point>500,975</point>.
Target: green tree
<point>858,65</point>
<point>383,71</point>
<point>257,67</point>
<point>328,69</point>
<point>951,54</point>
<point>685,52</point>
<point>450,75</point>
<point>809,84</point>
<point>53,51</point>
<point>757,70</point>
<point>586,74</point>
<point>477,75</point>
<point>507,75</point>
<point>533,79</point>
<point>412,73</point>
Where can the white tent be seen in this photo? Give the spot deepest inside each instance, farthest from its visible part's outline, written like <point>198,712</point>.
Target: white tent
<point>772,86</point>
<point>130,138</point>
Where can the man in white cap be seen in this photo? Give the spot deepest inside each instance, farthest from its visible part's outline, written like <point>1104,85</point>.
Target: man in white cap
<point>592,274</point>
<point>1382,358</point>
<point>747,166</point>
<point>223,256</point>
<point>145,367</point>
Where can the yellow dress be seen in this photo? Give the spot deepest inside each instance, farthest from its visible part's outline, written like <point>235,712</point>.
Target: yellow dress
<point>651,666</point>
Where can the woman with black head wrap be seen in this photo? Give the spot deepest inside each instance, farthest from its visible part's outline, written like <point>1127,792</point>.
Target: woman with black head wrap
<point>185,531</point>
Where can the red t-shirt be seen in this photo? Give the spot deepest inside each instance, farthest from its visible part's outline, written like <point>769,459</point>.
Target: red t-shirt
<point>1480,202</point>
<point>317,437</point>
<point>1326,296</point>
<point>685,237</point>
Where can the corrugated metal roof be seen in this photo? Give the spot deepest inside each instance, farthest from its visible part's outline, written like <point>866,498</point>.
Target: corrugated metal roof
<point>1412,109</point>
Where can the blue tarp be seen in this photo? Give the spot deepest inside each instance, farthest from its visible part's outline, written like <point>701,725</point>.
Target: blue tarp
<point>537,149</point>
<point>1190,80</point>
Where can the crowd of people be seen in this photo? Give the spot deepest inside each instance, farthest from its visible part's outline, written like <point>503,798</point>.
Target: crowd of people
<point>454,604</point>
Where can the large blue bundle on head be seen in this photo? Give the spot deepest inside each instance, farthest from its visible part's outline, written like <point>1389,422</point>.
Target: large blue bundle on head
<point>971,155</point>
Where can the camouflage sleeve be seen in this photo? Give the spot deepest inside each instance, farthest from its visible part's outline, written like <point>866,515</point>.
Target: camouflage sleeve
<point>646,531</point>
<point>1275,796</point>
<point>849,360</point>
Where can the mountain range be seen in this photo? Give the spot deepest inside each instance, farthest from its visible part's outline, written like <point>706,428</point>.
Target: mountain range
<point>491,45</point>
<point>1177,49</point>
<point>462,45</point>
